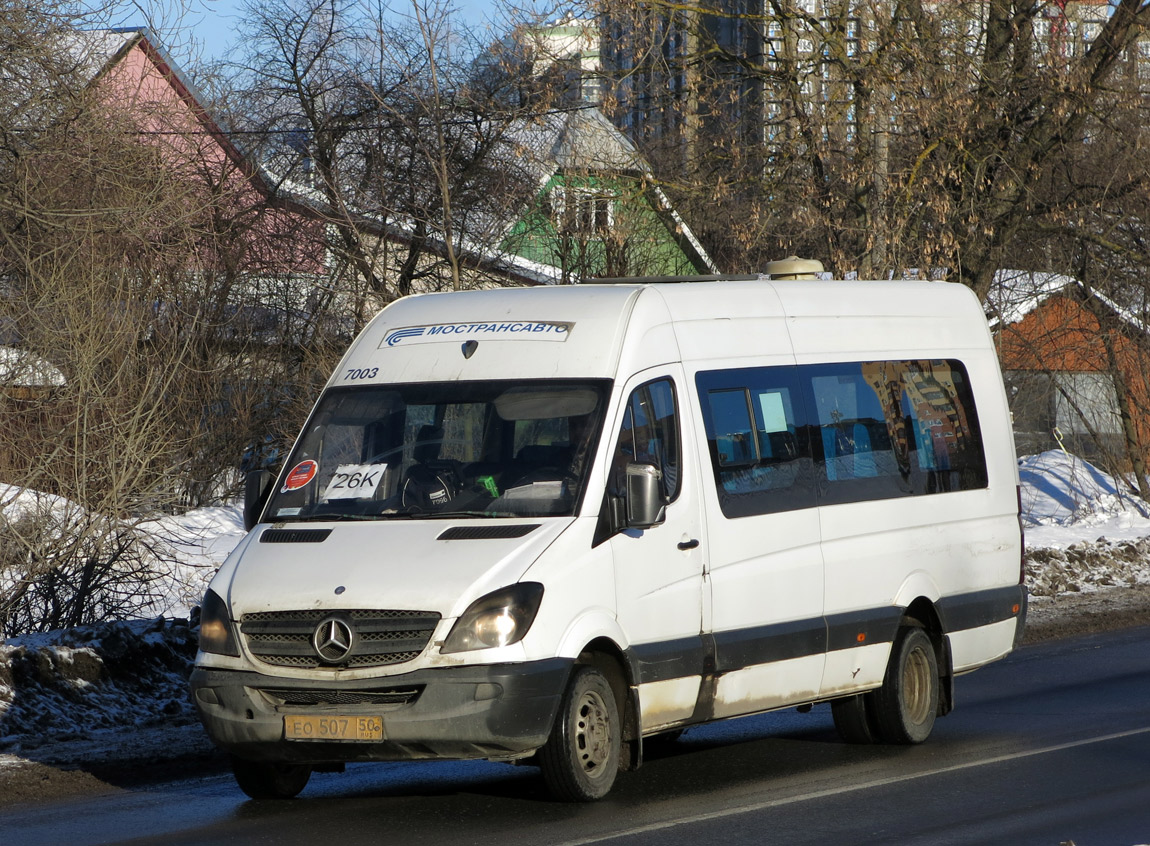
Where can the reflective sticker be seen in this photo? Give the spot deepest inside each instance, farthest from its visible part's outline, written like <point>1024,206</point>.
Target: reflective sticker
<point>300,475</point>
<point>354,481</point>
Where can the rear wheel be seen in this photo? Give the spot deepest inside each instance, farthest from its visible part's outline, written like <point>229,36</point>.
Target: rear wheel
<point>906,705</point>
<point>854,719</point>
<point>581,757</point>
<point>270,780</point>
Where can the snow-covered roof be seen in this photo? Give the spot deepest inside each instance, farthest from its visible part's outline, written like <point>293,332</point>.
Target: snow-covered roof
<point>24,369</point>
<point>579,139</point>
<point>1016,293</point>
<point>92,50</point>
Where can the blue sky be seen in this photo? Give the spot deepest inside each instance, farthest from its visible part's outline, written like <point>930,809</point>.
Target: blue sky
<point>214,22</point>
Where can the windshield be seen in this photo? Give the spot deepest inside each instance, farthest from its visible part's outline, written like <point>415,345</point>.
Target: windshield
<point>484,449</point>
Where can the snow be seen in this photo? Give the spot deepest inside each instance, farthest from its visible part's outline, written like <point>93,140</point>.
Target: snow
<point>199,541</point>
<point>1085,530</point>
<point>189,547</point>
<point>22,369</point>
<point>16,503</point>
<point>1066,500</point>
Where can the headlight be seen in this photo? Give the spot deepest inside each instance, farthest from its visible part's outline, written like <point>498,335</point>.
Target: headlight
<point>498,619</point>
<point>216,627</point>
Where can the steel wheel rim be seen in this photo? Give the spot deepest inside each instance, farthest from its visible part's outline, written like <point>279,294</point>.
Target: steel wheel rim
<point>917,687</point>
<point>592,734</point>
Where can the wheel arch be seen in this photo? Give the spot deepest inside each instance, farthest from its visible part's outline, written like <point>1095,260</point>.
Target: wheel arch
<point>923,613</point>
<point>605,655</point>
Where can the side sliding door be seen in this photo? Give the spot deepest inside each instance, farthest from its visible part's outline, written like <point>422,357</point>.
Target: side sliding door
<point>765,566</point>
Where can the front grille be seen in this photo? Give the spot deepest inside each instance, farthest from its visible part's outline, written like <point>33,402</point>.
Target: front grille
<point>284,638</point>
<point>391,696</point>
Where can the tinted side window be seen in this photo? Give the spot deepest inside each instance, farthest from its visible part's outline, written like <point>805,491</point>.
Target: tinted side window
<point>939,409</point>
<point>758,440</point>
<point>894,428</point>
<point>782,438</point>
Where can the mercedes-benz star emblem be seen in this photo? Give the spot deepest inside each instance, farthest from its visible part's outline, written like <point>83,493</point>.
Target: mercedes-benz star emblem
<point>333,640</point>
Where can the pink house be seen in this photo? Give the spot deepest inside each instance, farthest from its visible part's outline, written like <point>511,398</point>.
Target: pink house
<point>279,236</point>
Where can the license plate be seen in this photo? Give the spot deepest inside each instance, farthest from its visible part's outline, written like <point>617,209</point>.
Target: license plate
<point>332,727</point>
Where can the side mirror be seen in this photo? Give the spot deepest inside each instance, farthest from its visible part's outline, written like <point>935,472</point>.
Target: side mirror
<point>257,486</point>
<point>646,506</point>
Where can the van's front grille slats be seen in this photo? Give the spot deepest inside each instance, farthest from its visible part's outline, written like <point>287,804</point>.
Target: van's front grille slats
<point>390,696</point>
<point>381,638</point>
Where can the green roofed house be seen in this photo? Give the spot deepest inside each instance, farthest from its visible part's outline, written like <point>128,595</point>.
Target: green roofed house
<point>598,212</point>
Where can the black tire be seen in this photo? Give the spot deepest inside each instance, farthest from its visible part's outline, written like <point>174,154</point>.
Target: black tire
<point>581,757</point>
<point>906,705</point>
<point>270,780</point>
<point>854,719</point>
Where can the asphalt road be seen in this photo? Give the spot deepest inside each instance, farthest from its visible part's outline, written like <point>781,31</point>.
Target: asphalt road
<point>1051,746</point>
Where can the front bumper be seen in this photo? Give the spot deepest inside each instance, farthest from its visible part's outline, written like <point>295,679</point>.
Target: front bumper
<point>488,711</point>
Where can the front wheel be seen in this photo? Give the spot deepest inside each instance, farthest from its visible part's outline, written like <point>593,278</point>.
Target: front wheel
<point>270,780</point>
<point>581,757</point>
<point>907,703</point>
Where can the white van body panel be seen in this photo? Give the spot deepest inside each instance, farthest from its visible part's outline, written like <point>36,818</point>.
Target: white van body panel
<point>450,573</point>
<point>575,332</point>
<point>745,321</point>
<point>974,648</point>
<point>765,687</point>
<point>711,612</point>
<point>665,704</point>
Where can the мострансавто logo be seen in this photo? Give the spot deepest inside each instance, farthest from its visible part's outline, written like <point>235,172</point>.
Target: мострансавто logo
<point>513,330</point>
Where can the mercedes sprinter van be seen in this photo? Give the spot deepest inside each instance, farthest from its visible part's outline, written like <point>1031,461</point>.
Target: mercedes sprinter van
<point>541,525</point>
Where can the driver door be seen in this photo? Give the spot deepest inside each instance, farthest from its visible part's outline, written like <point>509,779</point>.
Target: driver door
<point>659,571</point>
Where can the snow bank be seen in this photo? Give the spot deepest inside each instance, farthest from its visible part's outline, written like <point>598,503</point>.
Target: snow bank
<point>187,548</point>
<point>1085,530</point>
<point>1060,490</point>
<point>198,542</point>
<point>69,684</point>
<point>16,503</point>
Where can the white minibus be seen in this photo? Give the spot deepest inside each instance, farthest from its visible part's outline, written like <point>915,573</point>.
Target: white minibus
<point>544,525</point>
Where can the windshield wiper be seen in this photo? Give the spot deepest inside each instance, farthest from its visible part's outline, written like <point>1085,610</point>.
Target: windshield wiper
<point>451,515</point>
<point>332,518</point>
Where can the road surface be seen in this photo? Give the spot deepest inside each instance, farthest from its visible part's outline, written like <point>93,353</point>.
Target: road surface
<point>1049,747</point>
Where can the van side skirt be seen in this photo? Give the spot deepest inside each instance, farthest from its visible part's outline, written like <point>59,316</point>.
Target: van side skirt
<point>711,655</point>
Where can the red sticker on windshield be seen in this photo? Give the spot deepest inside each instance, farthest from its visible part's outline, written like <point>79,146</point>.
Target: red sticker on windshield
<point>300,475</point>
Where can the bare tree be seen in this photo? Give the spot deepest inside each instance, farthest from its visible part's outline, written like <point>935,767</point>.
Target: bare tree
<point>90,238</point>
<point>880,136</point>
<point>402,136</point>
<point>144,313</point>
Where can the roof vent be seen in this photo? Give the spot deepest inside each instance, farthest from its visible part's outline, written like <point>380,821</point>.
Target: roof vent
<point>794,267</point>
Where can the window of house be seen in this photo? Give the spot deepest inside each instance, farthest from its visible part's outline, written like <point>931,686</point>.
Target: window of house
<point>581,210</point>
<point>1075,403</point>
